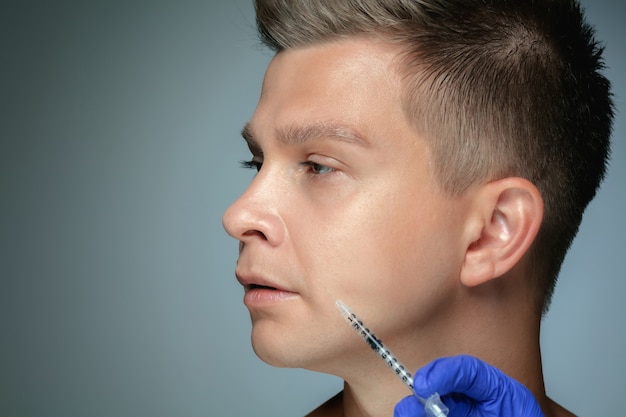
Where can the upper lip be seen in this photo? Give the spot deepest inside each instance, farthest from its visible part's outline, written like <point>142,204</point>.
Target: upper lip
<point>250,281</point>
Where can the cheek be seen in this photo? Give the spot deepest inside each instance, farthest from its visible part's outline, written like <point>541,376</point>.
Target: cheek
<point>399,251</point>
<point>381,239</point>
<point>361,245</point>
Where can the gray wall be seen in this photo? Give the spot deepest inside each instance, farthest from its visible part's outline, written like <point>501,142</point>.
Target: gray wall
<point>119,150</point>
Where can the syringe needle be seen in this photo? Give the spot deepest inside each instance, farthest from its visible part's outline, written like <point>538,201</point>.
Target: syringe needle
<point>433,405</point>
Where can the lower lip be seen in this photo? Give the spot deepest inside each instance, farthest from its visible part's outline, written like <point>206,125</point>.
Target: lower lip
<point>256,297</point>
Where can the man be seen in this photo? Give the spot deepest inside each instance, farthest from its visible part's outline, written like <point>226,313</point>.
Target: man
<point>428,163</point>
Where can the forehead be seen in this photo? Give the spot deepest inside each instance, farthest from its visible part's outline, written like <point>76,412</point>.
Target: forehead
<point>357,57</point>
<point>352,82</point>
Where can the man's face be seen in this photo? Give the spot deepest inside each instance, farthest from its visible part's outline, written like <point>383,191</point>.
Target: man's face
<point>345,206</point>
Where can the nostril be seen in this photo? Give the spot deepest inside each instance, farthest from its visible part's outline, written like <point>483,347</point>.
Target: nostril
<point>255,233</point>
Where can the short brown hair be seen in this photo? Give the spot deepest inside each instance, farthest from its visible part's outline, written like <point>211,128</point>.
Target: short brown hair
<point>500,88</point>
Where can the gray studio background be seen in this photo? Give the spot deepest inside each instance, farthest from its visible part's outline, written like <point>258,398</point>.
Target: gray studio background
<point>119,150</point>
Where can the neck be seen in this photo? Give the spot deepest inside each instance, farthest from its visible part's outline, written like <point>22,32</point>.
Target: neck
<point>375,395</point>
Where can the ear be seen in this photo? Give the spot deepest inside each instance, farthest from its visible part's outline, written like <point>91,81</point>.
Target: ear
<point>504,220</point>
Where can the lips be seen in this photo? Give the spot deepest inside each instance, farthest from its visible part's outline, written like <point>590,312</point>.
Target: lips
<point>249,282</point>
<point>260,291</point>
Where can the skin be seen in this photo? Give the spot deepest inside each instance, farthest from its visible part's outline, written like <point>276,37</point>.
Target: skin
<point>346,206</point>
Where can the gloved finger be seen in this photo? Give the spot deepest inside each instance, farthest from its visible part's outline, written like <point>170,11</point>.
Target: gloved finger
<point>464,374</point>
<point>409,407</point>
<point>459,406</point>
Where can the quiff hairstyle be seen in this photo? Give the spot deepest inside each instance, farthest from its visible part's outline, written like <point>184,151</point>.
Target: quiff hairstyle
<point>499,87</point>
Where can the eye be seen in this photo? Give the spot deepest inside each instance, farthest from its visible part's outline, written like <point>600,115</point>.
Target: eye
<point>251,164</point>
<point>318,169</point>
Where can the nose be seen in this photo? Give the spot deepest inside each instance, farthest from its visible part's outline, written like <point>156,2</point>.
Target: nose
<point>255,216</point>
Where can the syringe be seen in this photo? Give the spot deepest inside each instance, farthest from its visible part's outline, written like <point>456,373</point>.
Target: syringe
<point>433,405</point>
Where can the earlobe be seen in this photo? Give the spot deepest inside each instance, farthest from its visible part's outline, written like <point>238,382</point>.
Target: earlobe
<point>505,218</point>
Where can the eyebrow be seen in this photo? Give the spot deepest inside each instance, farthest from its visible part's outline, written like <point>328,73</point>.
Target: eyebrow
<point>297,135</point>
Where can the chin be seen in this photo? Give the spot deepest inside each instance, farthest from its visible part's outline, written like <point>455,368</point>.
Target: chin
<point>292,348</point>
<point>275,349</point>
<point>282,346</point>
<point>272,358</point>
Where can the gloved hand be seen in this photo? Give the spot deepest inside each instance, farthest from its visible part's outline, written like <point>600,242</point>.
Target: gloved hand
<point>469,388</point>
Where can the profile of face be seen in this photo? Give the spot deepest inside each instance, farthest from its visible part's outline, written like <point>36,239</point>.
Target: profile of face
<point>345,206</point>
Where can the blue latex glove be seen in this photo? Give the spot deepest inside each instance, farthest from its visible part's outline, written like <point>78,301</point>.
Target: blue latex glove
<point>469,388</point>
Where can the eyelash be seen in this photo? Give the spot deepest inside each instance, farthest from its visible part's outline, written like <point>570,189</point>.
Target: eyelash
<point>314,167</point>
<point>252,164</point>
